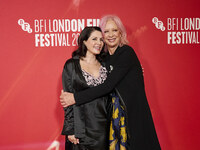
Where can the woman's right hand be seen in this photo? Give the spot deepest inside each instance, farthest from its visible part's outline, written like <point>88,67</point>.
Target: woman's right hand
<point>66,99</point>
<point>72,139</point>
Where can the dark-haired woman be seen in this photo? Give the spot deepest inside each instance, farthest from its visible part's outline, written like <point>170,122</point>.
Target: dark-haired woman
<point>85,126</point>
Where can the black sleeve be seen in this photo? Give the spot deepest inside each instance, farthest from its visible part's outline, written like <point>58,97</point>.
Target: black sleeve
<point>67,77</point>
<point>125,60</point>
<point>68,128</point>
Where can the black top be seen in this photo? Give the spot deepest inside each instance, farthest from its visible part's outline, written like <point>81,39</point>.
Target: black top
<point>127,78</point>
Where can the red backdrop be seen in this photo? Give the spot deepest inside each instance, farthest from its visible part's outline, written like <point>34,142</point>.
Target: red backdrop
<point>31,117</point>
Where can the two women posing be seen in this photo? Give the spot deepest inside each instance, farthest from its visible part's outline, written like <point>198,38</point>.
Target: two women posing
<point>104,97</point>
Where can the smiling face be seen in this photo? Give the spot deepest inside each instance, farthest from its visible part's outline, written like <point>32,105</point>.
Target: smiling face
<point>94,43</point>
<point>112,35</point>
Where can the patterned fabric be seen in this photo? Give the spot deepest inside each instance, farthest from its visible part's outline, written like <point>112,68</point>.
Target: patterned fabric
<point>118,132</point>
<point>91,80</point>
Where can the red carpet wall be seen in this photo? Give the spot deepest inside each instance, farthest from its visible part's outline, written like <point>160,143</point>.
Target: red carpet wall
<point>37,36</point>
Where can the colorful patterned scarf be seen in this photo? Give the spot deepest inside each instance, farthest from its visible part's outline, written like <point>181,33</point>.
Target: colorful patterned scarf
<point>118,133</point>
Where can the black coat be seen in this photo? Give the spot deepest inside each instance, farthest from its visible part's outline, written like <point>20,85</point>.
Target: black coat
<point>88,122</point>
<point>127,78</point>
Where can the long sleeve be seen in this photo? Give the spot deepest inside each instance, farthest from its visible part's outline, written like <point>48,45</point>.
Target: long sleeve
<point>68,128</point>
<point>125,58</point>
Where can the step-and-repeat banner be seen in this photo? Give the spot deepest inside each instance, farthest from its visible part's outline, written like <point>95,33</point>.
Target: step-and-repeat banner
<point>38,36</point>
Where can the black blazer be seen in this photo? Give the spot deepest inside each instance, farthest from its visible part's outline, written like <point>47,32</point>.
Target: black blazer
<point>73,81</point>
<point>126,77</point>
<point>76,117</point>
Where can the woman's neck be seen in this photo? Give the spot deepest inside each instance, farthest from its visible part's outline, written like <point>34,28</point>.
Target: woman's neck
<point>112,50</point>
<point>90,58</point>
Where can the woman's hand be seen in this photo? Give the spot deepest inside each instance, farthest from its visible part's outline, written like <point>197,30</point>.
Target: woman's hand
<point>72,139</point>
<point>66,99</point>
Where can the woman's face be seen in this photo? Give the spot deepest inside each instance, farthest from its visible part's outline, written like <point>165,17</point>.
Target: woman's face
<point>112,35</point>
<point>94,43</point>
